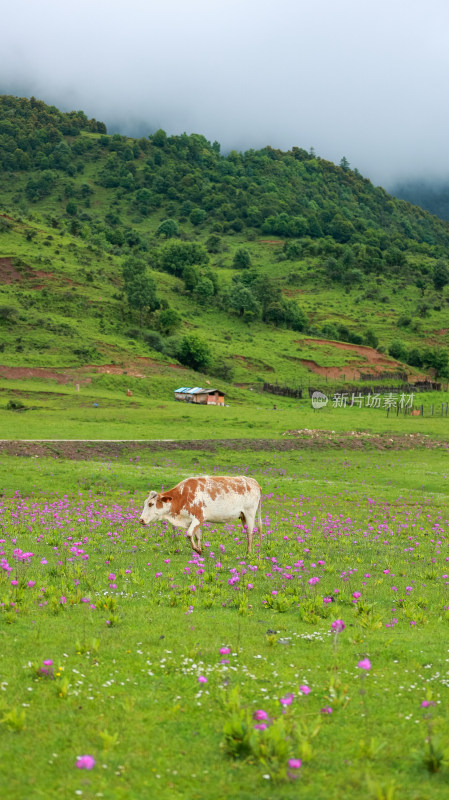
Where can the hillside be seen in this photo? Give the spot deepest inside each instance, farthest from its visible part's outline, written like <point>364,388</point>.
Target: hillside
<point>123,257</point>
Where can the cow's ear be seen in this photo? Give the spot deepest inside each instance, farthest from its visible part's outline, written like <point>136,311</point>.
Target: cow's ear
<point>166,499</point>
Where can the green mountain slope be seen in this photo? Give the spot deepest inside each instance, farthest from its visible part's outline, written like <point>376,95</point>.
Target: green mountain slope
<point>241,266</point>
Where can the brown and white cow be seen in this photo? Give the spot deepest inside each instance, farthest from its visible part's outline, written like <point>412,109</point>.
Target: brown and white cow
<point>195,501</point>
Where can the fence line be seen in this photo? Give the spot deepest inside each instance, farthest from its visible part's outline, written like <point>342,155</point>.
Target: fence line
<point>419,410</point>
<point>410,388</point>
<point>284,391</point>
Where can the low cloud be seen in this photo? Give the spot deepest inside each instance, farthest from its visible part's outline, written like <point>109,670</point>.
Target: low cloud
<point>362,79</point>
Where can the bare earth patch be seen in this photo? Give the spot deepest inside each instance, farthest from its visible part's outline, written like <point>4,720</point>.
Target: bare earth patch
<point>9,273</point>
<point>134,369</point>
<point>367,360</point>
<point>293,440</point>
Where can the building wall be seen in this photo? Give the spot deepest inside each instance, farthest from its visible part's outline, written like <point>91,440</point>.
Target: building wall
<point>215,399</point>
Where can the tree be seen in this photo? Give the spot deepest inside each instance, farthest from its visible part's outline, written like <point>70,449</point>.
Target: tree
<point>168,228</point>
<point>214,244</point>
<point>353,276</point>
<point>371,339</point>
<point>197,216</point>
<point>205,290</point>
<point>141,294</point>
<point>168,321</point>
<point>344,164</point>
<point>341,229</point>
<point>174,256</point>
<point>334,269</point>
<point>398,351</point>
<point>286,313</point>
<point>421,284</point>
<point>414,357</point>
<point>437,359</point>
<point>159,138</point>
<point>190,276</point>
<point>194,352</point>
<point>242,259</point>
<point>71,208</point>
<point>242,300</point>
<point>440,275</point>
<point>143,201</point>
<point>133,267</point>
<point>5,225</point>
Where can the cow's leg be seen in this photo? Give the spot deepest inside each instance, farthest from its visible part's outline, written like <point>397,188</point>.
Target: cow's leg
<point>198,540</point>
<point>194,533</point>
<point>249,520</point>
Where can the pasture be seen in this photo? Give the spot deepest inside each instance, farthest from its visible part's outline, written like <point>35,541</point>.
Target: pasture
<point>162,661</point>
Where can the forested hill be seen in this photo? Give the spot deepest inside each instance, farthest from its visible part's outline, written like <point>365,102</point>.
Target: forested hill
<point>285,240</point>
<point>294,194</point>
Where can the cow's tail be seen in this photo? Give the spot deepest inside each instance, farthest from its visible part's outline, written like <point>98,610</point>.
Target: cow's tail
<point>259,520</point>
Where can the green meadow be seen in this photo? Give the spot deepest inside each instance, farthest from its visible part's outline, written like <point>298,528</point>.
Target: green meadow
<point>134,626</point>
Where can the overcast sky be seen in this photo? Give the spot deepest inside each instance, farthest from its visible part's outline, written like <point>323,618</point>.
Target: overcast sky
<point>367,79</point>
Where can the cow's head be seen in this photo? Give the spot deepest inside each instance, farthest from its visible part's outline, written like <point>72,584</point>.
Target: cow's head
<point>156,506</point>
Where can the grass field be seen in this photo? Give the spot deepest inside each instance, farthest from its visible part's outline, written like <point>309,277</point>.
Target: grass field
<point>59,412</point>
<point>134,624</point>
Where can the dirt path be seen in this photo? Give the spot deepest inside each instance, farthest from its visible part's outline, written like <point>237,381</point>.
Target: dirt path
<point>87,450</point>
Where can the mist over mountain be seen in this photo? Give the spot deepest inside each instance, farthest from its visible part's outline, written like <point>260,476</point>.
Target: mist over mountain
<point>361,80</point>
<point>432,196</point>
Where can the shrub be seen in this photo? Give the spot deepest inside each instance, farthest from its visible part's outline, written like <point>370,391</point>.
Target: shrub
<point>242,259</point>
<point>154,340</point>
<point>398,351</point>
<point>168,228</point>
<point>168,320</point>
<point>194,352</point>
<point>5,225</point>
<point>370,339</point>
<point>8,313</point>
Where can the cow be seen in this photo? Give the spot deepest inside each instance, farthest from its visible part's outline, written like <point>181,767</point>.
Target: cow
<point>208,498</point>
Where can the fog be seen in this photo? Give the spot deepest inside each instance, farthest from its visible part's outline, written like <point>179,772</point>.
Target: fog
<point>358,78</point>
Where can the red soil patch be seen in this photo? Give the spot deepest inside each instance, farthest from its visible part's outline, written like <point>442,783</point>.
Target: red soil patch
<point>374,362</point>
<point>8,273</point>
<point>78,374</point>
<point>368,353</point>
<point>349,373</point>
<point>272,241</point>
<point>17,373</point>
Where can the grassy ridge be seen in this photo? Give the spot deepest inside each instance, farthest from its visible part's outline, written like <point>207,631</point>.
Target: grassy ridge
<point>81,203</point>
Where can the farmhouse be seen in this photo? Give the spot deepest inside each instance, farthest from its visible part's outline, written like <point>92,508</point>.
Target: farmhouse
<point>211,397</point>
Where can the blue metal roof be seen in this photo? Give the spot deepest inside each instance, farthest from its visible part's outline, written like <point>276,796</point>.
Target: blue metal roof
<point>195,390</point>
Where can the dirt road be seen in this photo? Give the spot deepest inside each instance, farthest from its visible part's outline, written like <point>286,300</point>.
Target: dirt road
<point>85,450</point>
